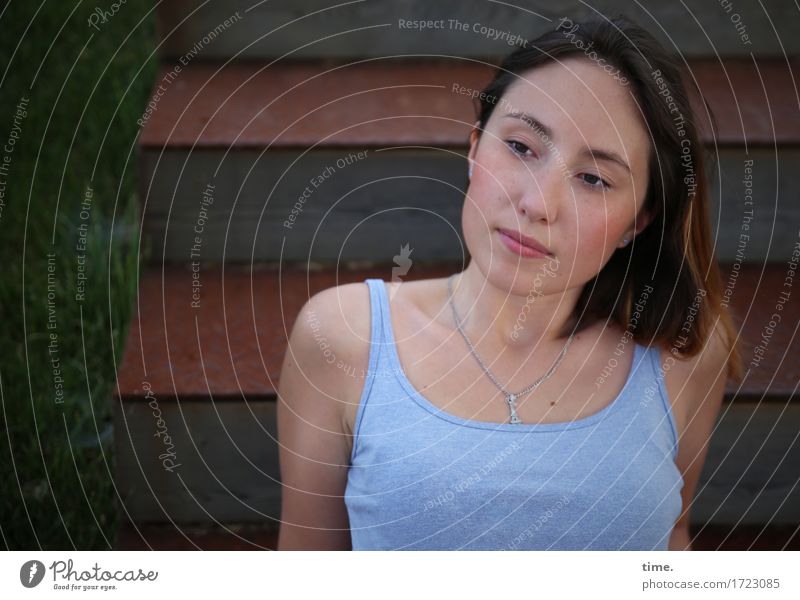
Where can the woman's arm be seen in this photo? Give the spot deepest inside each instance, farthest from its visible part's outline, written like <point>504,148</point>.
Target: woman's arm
<point>314,453</point>
<point>680,540</point>
<point>699,386</point>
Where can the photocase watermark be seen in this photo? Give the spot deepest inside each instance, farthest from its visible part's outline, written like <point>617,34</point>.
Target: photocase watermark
<point>540,522</point>
<point>66,577</point>
<point>168,457</point>
<point>744,238</point>
<point>207,199</point>
<point>689,178</point>
<point>80,247</point>
<point>649,394</point>
<point>330,356</point>
<point>491,33</point>
<point>568,28</point>
<point>680,341</point>
<point>31,573</point>
<point>690,316</point>
<point>476,476</point>
<point>775,318</point>
<point>322,341</point>
<point>104,16</point>
<point>317,181</point>
<point>172,74</point>
<point>633,322</point>
<point>737,21</point>
<point>152,104</point>
<point>402,262</point>
<point>475,94</point>
<point>8,149</point>
<point>52,327</point>
<point>548,269</point>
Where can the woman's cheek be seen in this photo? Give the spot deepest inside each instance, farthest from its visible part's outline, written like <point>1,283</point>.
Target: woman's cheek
<point>592,247</point>
<point>480,210</point>
<point>474,225</point>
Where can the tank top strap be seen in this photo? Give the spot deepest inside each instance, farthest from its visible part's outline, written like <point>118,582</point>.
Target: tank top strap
<point>381,316</point>
<point>378,355</point>
<point>608,476</point>
<point>658,382</point>
<point>644,395</point>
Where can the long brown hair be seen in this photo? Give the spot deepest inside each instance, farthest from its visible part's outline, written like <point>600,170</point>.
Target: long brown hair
<point>683,290</point>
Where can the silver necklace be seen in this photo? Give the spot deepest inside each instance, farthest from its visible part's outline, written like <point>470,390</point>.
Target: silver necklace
<point>511,399</point>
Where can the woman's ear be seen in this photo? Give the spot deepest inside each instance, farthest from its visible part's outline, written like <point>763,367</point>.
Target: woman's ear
<point>642,221</point>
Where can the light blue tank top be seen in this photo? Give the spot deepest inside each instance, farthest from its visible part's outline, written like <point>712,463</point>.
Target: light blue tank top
<point>424,479</point>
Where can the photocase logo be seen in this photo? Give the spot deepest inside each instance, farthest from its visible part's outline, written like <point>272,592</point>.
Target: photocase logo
<point>403,263</point>
<point>31,573</point>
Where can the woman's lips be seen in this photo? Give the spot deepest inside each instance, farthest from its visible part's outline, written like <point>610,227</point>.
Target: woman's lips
<point>520,249</point>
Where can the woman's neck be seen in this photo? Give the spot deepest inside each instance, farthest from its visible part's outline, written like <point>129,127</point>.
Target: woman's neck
<point>516,321</point>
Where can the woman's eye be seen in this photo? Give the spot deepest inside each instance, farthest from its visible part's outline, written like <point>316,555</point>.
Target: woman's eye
<point>516,146</point>
<point>593,180</point>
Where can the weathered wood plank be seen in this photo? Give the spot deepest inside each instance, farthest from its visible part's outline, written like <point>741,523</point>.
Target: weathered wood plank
<point>258,536</point>
<point>425,102</point>
<point>229,341</point>
<point>228,458</point>
<point>295,207</point>
<point>203,461</point>
<point>752,473</point>
<point>313,29</point>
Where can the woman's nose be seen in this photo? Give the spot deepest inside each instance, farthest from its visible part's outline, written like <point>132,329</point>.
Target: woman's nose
<point>542,193</point>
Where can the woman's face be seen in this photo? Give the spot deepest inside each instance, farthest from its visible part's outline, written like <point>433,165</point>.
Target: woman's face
<point>571,174</point>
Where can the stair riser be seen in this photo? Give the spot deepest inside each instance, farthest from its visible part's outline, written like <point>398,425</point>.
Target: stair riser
<point>751,473</point>
<point>374,28</point>
<point>370,208</point>
<point>219,463</point>
<point>228,436</point>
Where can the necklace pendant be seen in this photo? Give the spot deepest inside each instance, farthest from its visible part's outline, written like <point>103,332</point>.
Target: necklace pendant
<point>511,399</point>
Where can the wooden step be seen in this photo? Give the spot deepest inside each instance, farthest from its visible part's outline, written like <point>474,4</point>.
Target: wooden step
<point>231,345</point>
<point>201,536</point>
<point>248,536</point>
<point>220,463</point>
<point>303,162</point>
<point>396,197</point>
<point>309,29</point>
<point>425,102</point>
<point>210,373</point>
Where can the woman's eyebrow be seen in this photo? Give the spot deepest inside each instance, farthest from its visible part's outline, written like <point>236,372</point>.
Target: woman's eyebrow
<point>545,131</point>
<point>597,154</point>
<point>531,122</point>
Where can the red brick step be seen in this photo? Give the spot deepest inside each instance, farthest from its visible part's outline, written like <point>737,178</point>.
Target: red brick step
<point>232,345</point>
<point>393,102</point>
<point>212,373</point>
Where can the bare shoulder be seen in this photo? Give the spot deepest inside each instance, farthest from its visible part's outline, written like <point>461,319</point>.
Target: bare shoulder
<point>344,311</point>
<point>336,328</point>
<point>696,383</point>
<point>696,388</point>
<point>313,397</point>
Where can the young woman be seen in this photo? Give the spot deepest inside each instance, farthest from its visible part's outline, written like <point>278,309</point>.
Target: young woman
<point>560,392</point>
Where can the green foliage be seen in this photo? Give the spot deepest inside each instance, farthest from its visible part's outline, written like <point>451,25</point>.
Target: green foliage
<point>85,89</point>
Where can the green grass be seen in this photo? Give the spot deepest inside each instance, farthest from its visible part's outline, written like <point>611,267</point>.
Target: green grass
<point>56,458</point>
